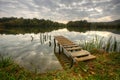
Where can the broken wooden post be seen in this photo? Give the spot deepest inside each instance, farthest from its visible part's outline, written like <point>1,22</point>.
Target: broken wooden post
<point>59,48</point>
<point>62,50</point>
<point>32,38</point>
<point>54,45</point>
<point>49,43</point>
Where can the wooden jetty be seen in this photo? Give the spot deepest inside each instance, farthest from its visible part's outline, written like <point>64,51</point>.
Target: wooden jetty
<point>75,52</point>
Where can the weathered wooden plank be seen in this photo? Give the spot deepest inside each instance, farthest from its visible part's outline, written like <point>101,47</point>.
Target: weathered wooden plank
<point>80,53</point>
<point>64,41</point>
<point>73,48</point>
<point>89,57</point>
<point>69,46</point>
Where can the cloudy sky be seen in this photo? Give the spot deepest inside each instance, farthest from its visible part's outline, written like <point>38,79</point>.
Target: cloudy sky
<point>62,10</point>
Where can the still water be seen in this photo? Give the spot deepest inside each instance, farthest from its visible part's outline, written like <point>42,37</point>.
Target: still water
<point>35,51</point>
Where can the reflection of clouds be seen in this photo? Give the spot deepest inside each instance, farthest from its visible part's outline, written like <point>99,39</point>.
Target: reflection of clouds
<point>83,36</point>
<point>36,55</point>
<point>98,33</point>
<point>42,62</point>
<point>29,54</point>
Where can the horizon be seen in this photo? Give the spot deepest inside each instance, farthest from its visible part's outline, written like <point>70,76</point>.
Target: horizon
<point>56,21</point>
<point>62,11</point>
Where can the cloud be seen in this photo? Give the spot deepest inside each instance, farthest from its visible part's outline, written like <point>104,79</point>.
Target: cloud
<point>62,10</point>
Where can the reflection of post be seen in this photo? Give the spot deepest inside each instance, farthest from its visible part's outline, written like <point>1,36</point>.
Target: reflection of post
<point>54,45</point>
<point>47,36</point>
<point>41,38</point>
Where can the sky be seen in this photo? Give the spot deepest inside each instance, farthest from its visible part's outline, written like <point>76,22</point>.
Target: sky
<point>62,10</point>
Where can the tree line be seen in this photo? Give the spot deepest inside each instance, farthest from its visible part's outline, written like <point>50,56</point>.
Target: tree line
<point>29,25</point>
<point>83,25</point>
<point>21,25</point>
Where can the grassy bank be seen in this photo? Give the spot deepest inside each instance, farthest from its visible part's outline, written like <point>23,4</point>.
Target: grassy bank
<point>105,67</point>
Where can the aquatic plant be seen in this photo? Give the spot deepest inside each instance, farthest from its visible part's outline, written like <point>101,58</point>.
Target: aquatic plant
<point>95,43</point>
<point>115,44</point>
<point>107,47</point>
<point>99,43</point>
<point>4,62</point>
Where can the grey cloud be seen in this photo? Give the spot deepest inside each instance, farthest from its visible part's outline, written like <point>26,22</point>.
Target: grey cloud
<point>59,10</point>
<point>50,4</point>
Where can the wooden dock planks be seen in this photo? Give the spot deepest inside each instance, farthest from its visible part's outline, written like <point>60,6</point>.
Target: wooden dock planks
<point>89,57</point>
<point>80,53</point>
<point>75,51</point>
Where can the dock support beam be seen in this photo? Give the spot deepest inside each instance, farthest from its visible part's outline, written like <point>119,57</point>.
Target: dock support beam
<point>72,62</point>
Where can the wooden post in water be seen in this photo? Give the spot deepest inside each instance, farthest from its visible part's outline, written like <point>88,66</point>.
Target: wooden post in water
<point>45,37</point>
<point>49,43</point>
<point>62,50</point>
<point>32,38</point>
<point>49,37</point>
<point>59,47</point>
<point>54,45</point>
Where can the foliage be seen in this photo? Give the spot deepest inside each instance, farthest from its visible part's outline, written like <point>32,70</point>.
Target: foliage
<point>5,62</point>
<point>21,25</point>
<point>78,25</point>
<point>83,25</point>
<point>105,25</point>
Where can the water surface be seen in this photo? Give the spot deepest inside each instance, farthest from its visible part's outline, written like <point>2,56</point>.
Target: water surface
<point>35,51</point>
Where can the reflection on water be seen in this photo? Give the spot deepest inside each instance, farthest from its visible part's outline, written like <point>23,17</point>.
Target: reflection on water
<point>31,51</point>
<point>35,51</point>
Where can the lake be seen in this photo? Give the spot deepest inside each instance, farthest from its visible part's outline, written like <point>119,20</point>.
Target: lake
<point>36,51</point>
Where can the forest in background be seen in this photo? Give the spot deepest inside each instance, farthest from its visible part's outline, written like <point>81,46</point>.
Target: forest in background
<point>21,25</point>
